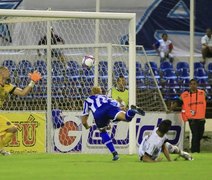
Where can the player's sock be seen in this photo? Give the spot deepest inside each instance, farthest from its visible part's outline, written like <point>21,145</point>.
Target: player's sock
<point>107,141</point>
<point>130,114</point>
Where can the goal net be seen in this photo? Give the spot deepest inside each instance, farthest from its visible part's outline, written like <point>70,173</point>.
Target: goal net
<point>65,83</point>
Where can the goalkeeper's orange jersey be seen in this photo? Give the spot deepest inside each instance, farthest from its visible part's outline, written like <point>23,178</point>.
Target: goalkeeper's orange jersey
<point>5,91</point>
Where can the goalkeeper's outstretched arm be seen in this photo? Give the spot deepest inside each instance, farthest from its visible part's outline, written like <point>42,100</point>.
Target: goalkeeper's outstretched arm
<point>35,77</point>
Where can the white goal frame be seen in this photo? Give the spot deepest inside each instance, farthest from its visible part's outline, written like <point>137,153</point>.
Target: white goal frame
<point>131,17</point>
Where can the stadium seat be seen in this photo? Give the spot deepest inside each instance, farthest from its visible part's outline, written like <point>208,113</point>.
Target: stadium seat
<point>138,65</point>
<point>203,84</point>
<point>184,85</point>
<point>169,74</point>
<point>24,71</point>
<point>24,64</point>
<point>103,72</point>
<point>166,65</point>
<point>210,69</point>
<point>139,73</point>
<point>58,81</point>
<point>172,84</point>
<point>74,81</point>
<point>120,71</point>
<point>88,72</point>
<point>155,72</point>
<point>140,83</point>
<point>72,72</point>
<point>152,64</point>
<point>73,64</point>
<point>39,63</point>
<point>10,64</point>
<point>184,73</point>
<point>120,64</point>
<point>200,73</point>
<point>182,65</point>
<point>171,94</point>
<point>103,64</point>
<point>198,65</point>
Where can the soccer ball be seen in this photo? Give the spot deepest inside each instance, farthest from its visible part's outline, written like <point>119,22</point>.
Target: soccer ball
<point>88,61</point>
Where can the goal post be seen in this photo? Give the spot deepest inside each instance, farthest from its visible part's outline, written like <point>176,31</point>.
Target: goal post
<point>77,28</point>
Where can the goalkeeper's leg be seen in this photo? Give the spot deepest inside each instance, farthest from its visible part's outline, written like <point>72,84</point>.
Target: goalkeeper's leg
<point>6,138</point>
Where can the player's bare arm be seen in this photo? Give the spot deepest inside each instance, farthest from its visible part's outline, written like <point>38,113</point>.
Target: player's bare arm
<point>166,152</point>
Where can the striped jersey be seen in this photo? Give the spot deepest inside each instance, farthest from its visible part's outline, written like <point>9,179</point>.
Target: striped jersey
<point>93,102</point>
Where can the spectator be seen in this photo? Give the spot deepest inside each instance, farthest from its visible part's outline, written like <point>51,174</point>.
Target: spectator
<point>164,48</point>
<point>193,110</point>
<point>55,39</point>
<point>206,42</point>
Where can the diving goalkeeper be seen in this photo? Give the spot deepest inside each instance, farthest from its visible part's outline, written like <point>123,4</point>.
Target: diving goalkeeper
<point>8,129</point>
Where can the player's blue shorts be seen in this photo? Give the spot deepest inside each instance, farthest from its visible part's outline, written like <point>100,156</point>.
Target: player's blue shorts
<point>104,114</point>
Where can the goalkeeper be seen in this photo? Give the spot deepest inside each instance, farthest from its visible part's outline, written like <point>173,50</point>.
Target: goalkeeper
<point>120,93</point>
<point>8,129</point>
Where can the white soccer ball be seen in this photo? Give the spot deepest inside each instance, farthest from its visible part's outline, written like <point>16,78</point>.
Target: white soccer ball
<point>88,61</point>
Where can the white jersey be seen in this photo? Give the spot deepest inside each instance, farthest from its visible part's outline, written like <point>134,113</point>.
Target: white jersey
<point>152,145</point>
<point>206,40</point>
<point>164,46</point>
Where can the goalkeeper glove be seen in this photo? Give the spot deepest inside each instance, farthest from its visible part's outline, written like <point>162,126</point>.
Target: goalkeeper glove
<point>35,76</point>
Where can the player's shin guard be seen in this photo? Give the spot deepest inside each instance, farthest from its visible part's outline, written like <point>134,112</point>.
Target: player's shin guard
<point>107,141</point>
<point>130,114</point>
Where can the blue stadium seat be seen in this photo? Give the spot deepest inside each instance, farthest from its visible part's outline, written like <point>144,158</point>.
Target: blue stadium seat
<point>10,64</point>
<point>200,73</point>
<point>39,63</point>
<point>182,65</point>
<point>210,69</point>
<point>138,65</point>
<point>203,84</point>
<point>24,64</point>
<point>155,72</point>
<point>171,94</point>
<point>103,72</point>
<point>185,84</point>
<point>23,81</point>
<point>120,64</point>
<point>103,64</point>
<point>58,81</point>
<point>72,72</point>
<point>74,81</point>
<point>140,84</point>
<point>152,64</point>
<point>24,71</point>
<point>166,65</point>
<point>184,73</point>
<point>139,73</point>
<point>198,65</point>
<point>172,84</point>
<point>88,72</point>
<point>73,64</point>
<point>169,74</point>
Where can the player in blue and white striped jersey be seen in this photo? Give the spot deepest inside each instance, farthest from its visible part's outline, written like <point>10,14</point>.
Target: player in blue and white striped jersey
<point>104,110</point>
<point>155,143</point>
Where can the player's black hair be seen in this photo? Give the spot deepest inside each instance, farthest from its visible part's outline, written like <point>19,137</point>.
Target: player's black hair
<point>164,34</point>
<point>164,126</point>
<point>193,80</point>
<point>120,76</point>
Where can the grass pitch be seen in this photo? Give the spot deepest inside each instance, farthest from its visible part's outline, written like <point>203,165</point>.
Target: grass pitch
<point>92,167</point>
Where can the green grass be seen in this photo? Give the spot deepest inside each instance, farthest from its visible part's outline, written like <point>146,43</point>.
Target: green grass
<point>92,167</point>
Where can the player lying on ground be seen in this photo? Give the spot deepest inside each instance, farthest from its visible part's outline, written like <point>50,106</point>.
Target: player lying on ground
<point>8,129</point>
<point>104,110</point>
<point>155,143</point>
